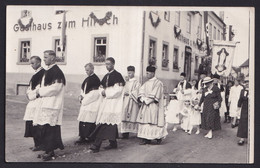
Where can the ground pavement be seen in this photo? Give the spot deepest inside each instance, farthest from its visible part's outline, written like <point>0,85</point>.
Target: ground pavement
<point>178,147</point>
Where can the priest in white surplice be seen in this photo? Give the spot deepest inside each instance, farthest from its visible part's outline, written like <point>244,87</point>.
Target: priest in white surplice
<point>90,101</point>
<point>49,113</point>
<point>110,109</point>
<point>34,84</point>
<point>151,117</point>
<point>131,106</point>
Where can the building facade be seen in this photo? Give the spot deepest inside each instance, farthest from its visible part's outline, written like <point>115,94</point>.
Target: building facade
<point>244,68</point>
<point>174,41</point>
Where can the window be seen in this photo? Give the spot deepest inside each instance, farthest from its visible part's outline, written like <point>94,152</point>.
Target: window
<point>165,57</point>
<point>175,58</point>
<point>59,50</point>
<point>218,35</point>
<point>100,49</point>
<point>196,64</point>
<point>24,51</point>
<point>214,33</point>
<point>210,31</point>
<point>221,37</point>
<point>188,23</point>
<point>199,27</point>
<point>177,18</point>
<point>167,16</point>
<point>152,51</point>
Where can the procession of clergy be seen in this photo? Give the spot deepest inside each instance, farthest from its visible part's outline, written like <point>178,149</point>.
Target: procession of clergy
<point>114,105</point>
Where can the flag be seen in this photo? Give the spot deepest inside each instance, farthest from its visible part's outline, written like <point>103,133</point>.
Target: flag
<point>206,28</point>
<point>63,32</point>
<point>222,57</point>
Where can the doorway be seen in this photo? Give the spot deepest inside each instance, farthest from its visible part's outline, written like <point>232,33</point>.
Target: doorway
<point>187,62</point>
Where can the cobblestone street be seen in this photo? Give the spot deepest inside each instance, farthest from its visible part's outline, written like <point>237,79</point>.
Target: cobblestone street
<point>178,147</point>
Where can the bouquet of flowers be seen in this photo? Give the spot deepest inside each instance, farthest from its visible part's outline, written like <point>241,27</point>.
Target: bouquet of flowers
<point>216,105</point>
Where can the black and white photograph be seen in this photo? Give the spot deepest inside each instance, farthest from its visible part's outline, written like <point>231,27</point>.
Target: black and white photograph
<point>129,84</point>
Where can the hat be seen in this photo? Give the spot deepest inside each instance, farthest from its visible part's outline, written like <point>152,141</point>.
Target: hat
<point>150,68</point>
<point>183,74</point>
<point>130,68</point>
<point>207,80</point>
<point>216,76</point>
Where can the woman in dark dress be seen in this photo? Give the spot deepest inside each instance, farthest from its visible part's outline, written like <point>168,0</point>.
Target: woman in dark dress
<point>242,130</point>
<point>210,118</point>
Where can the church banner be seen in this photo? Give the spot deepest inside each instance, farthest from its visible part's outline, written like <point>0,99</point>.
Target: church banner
<point>222,57</point>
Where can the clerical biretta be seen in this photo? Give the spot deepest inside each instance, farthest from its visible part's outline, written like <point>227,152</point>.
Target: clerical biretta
<point>151,117</point>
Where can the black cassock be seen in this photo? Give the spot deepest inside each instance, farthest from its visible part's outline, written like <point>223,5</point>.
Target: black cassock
<point>30,130</point>
<point>51,135</point>
<point>105,131</point>
<point>242,130</point>
<point>90,83</point>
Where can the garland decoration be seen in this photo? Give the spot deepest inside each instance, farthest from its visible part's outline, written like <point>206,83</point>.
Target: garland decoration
<point>177,31</point>
<point>154,23</point>
<point>103,20</point>
<point>22,26</point>
<point>199,43</point>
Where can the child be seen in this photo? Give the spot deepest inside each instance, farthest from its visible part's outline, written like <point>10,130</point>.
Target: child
<point>194,89</point>
<point>185,115</point>
<point>172,112</point>
<point>195,117</point>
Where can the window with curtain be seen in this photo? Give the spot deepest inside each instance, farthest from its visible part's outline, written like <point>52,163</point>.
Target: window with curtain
<point>100,49</point>
<point>188,26</point>
<point>177,18</point>
<point>175,58</point>
<point>165,57</point>
<point>24,51</point>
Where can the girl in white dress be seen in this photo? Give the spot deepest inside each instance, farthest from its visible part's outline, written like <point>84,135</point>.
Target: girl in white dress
<point>172,111</point>
<point>185,116</point>
<point>195,114</point>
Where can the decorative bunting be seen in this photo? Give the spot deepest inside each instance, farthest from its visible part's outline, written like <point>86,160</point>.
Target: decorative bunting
<point>154,23</point>
<point>102,21</point>
<point>26,19</point>
<point>177,31</point>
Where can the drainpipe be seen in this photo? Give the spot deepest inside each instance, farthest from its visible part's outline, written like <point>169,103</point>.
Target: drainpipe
<point>142,55</point>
